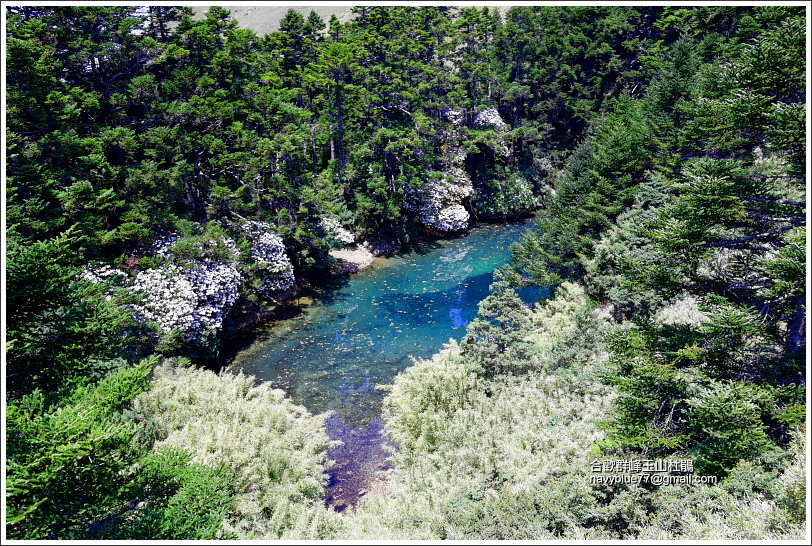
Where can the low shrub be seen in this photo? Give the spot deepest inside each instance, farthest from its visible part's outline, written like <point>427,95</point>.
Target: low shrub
<point>272,451</point>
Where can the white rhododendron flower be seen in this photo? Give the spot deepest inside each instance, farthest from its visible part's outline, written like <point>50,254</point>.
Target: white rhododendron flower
<point>268,250</point>
<point>336,231</point>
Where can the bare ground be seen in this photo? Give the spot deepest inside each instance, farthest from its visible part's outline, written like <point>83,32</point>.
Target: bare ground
<point>351,260</point>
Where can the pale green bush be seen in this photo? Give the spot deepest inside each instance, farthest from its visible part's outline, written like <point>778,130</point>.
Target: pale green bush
<point>699,512</point>
<point>557,316</point>
<point>425,395</point>
<point>473,452</point>
<point>517,443</point>
<point>510,458</point>
<point>790,494</point>
<point>487,459</point>
<point>274,450</point>
<point>681,311</point>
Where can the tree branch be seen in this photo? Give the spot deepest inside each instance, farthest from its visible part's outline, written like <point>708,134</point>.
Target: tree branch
<point>727,244</point>
<point>779,201</point>
<point>794,220</point>
<point>777,176</point>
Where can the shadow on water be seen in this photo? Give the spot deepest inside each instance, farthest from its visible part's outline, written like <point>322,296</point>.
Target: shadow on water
<point>240,340</point>
<point>358,461</point>
<point>355,333</point>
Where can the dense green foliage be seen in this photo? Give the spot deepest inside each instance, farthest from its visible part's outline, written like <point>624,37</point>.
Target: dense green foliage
<point>665,148</point>
<point>696,190</point>
<point>173,458</point>
<point>512,457</point>
<point>125,133</point>
<point>57,321</point>
<point>68,463</point>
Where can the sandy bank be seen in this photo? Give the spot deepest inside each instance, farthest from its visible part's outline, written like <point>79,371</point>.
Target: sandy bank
<point>351,260</point>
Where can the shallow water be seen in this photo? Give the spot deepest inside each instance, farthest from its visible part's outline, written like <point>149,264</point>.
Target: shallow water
<point>341,341</point>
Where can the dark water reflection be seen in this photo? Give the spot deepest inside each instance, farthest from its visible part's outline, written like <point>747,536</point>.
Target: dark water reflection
<point>359,460</point>
<point>356,333</point>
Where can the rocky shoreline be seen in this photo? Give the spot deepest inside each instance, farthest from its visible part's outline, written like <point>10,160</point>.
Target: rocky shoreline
<point>212,280</point>
<point>348,261</point>
<point>198,295</point>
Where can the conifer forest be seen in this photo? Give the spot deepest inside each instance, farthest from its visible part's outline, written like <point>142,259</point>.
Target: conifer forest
<point>173,178</point>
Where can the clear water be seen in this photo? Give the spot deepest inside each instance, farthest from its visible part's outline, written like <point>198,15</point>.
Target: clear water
<point>355,333</point>
<point>339,342</point>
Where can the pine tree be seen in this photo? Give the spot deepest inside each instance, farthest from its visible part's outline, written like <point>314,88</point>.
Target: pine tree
<point>56,322</point>
<point>495,342</point>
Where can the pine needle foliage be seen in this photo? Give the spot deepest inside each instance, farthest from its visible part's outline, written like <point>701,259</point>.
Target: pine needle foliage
<point>67,463</point>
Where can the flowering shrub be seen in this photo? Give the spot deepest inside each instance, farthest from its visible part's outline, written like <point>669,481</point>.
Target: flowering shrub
<point>456,117</point>
<point>336,234</point>
<point>170,298</point>
<point>490,118</point>
<point>187,299</point>
<point>453,218</point>
<point>268,253</point>
<point>216,288</point>
<point>101,273</point>
<point>438,203</point>
<point>194,295</point>
<point>189,296</point>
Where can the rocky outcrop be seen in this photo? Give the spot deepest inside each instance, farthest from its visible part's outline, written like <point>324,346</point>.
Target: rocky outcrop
<point>490,119</point>
<point>193,288</point>
<point>440,202</point>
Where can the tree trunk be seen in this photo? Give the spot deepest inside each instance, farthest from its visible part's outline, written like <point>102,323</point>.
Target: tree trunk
<point>332,136</point>
<point>342,159</point>
<point>796,329</point>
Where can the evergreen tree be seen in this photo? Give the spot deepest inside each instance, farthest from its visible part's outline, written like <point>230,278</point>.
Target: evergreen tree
<point>67,464</point>
<point>56,322</point>
<point>495,342</point>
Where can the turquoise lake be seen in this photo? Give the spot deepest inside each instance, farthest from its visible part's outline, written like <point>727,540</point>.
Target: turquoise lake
<point>357,332</point>
<point>334,345</point>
